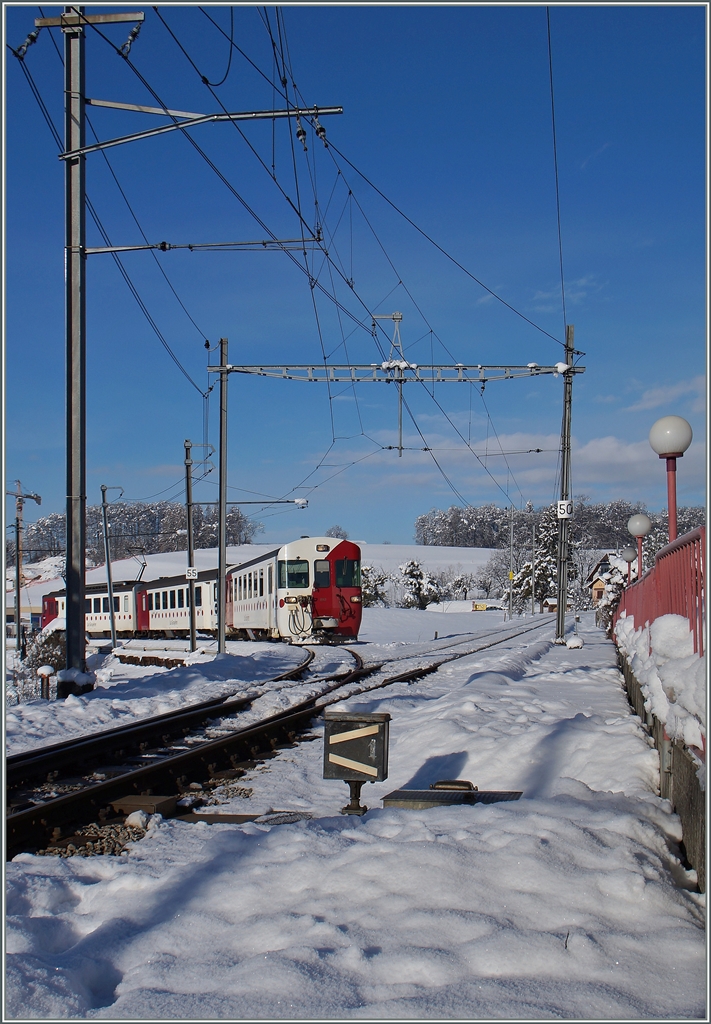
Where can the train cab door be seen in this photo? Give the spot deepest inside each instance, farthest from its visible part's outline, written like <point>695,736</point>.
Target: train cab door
<point>142,613</point>
<point>324,604</point>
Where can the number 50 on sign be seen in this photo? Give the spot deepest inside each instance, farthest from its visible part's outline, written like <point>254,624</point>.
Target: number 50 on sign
<point>565,509</point>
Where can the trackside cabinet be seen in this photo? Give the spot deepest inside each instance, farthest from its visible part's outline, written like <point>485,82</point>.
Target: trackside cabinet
<point>355,750</point>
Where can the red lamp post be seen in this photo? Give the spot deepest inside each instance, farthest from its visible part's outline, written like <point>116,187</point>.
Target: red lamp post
<point>629,555</point>
<point>639,526</point>
<point>670,437</point>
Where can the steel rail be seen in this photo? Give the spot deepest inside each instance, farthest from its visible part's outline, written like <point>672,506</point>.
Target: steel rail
<point>27,829</point>
<point>29,764</point>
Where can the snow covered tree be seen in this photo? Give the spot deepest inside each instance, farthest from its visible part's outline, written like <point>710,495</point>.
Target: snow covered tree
<point>336,531</point>
<point>421,589</point>
<point>373,582</point>
<point>137,526</point>
<point>615,580</point>
<point>687,519</point>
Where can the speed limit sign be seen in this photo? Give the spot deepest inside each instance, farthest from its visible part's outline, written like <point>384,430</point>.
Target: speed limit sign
<point>565,509</point>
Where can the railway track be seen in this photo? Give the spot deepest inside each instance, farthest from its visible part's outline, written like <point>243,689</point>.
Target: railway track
<point>180,772</point>
<point>23,767</point>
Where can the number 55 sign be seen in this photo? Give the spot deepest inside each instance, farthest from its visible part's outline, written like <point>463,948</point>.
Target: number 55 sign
<point>191,573</point>
<point>565,509</point>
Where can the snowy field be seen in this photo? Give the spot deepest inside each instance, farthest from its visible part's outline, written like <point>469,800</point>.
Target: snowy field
<point>570,903</point>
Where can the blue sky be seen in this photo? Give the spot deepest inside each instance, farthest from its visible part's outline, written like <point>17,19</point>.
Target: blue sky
<point>447,112</point>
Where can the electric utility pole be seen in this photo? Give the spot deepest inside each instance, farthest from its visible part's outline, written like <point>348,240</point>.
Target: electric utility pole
<point>222,510</point>
<point>511,572</point>
<point>72,23</point>
<point>397,365</point>
<point>20,500</point>
<point>107,555</point>
<point>565,505</point>
<point>191,568</point>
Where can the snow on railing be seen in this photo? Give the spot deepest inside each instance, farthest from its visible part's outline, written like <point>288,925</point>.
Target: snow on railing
<point>674,586</point>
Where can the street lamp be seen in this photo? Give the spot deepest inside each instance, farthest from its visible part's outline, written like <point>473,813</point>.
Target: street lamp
<point>639,526</point>
<point>670,437</point>
<point>629,555</point>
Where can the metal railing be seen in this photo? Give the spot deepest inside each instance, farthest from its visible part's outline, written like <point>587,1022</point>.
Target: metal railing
<point>675,585</point>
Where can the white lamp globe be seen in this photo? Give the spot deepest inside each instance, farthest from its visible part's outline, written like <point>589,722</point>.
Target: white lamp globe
<point>629,554</point>
<point>639,525</point>
<point>671,435</point>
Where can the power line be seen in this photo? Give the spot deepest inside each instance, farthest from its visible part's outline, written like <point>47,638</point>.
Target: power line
<point>124,273</point>
<point>215,85</point>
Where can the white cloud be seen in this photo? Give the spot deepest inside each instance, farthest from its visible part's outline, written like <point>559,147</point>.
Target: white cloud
<point>653,398</point>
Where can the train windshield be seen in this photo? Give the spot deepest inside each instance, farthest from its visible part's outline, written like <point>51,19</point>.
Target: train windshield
<point>294,573</point>
<point>347,572</point>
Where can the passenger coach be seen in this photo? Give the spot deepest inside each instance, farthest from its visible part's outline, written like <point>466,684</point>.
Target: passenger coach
<point>307,590</point>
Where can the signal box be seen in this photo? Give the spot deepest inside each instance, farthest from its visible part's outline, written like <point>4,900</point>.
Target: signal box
<point>355,750</point>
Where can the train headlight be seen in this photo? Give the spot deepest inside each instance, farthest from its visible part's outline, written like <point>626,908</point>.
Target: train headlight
<point>290,600</point>
<point>323,547</point>
<point>355,599</point>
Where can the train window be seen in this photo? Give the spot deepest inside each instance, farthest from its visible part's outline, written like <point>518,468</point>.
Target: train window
<point>117,604</point>
<point>347,572</point>
<point>322,573</point>
<point>180,599</point>
<point>187,597</point>
<point>97,605</point>
<point>249,584</point>
<point>165,598</point>
<point>87,606</point>
<point>239,587</point>
<point>125,602</point>
<point>150,602</point>
<point>198,597</point>
<point>270,579</point>
<point>297,573</point>
<point>261,582</point>
<point>172,599</point>
<point>105,604</point>
<point>281,569</point>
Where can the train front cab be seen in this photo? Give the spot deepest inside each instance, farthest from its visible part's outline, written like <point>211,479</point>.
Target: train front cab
<point>50,609</point>
<point>318,589</point>
<point>337,592</point>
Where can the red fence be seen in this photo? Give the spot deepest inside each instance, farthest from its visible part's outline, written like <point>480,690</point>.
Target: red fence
<point>674,586</point>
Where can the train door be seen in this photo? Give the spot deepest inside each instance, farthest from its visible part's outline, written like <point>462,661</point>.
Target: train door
<point>143,623</point>
<point>49,610</point>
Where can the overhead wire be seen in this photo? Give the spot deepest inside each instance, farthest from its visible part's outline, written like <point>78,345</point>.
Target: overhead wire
<point>132,288</point>
<point>310,273</point>
<point>401,213</point>
<point>216,85</point>
<point>449,353</point>
<point>350,194</point>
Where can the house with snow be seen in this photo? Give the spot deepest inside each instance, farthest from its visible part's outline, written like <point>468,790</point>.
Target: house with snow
<point>600,575</point>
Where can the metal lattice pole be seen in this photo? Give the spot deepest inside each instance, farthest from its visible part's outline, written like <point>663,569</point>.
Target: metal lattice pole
<point>563,522</point>
<point>189,509</point>
<point>222,516</point>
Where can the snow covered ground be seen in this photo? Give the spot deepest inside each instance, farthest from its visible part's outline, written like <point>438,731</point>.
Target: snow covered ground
<point>570,903</point>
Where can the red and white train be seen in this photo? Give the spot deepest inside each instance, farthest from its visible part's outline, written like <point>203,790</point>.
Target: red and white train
<point>306,590</point>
